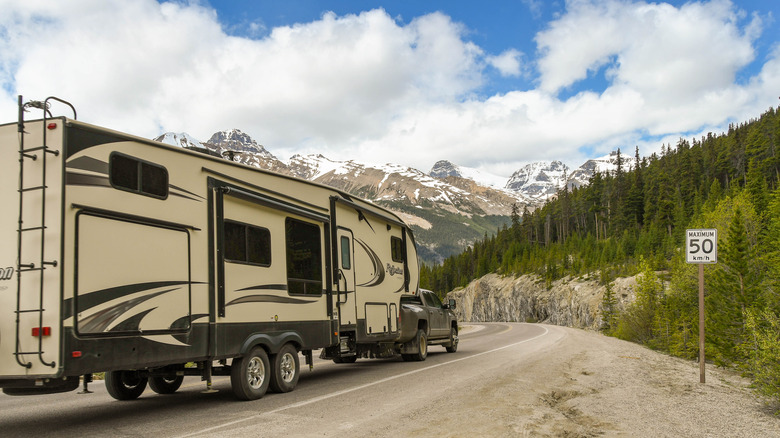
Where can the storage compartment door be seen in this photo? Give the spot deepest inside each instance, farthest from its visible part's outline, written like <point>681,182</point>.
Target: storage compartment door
<point>132,277</point>
<point>376,318</point>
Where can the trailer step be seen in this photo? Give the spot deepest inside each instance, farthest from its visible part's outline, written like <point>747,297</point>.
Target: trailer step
<point>31,229</point>
<point>30,189</point>
<point>29,310</point>
<point>40,148</point>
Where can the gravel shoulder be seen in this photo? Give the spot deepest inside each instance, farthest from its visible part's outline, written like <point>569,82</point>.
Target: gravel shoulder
<point>588,385</point>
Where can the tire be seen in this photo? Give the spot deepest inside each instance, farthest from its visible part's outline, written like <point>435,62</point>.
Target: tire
<point>453,347</point>
<point>165,385</point>
<point>285,369</point>
<point>345,359</point>
<point>422,341</point>
<point>250,375</point>
<point>125,385</point>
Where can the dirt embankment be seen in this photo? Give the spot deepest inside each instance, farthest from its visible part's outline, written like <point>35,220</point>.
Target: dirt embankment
<point>590,385</point>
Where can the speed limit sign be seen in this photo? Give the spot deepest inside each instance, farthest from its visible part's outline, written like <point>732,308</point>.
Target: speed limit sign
<point>701,246</point>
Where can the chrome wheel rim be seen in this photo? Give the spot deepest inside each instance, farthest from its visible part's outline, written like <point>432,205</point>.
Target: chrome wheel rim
<point>255,373</point>
<point>287,367</point>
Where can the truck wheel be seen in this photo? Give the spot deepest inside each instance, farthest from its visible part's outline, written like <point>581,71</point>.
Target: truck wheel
<point>453,347</point>
<point>249,374</point>
<point>285,369</point>
<point>422,341</point>
<point>125,385</point>
<point>165,385</point>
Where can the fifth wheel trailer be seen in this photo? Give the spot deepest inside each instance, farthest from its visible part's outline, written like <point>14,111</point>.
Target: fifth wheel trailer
<point>151,262</point>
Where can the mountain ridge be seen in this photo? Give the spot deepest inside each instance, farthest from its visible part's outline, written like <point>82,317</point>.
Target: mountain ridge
<point>448,208</point>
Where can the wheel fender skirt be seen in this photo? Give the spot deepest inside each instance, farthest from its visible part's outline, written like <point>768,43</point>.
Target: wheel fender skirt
<point>271,342</point>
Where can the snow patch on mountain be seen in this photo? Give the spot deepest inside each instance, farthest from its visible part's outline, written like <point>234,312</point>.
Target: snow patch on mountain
<point>443,168</point>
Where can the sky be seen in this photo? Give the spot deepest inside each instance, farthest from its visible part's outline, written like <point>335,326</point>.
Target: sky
<point>492,85</point>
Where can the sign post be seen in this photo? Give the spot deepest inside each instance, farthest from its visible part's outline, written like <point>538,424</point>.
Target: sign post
<point>701,247</point>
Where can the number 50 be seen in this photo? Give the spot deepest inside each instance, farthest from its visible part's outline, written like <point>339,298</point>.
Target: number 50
<point>706,246</point>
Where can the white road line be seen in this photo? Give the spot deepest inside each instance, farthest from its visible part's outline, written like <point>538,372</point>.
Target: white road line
<point>357,388</point>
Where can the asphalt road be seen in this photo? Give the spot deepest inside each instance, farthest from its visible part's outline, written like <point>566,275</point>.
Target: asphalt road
<point>330,400</point>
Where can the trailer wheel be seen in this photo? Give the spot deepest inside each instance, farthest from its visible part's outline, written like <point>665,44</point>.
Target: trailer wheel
<point>249,374</point>
<point>453,347</point>
<point>285,369</point>
<point>422,352</point>
<point>165,385</point>
<point>125,385</point>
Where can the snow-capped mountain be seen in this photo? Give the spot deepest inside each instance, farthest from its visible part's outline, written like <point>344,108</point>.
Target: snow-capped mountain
<point>535,182</point>
<point>232,145</point>
<point>443,169</point>
<point>605,164</point>
<point>448,208</point>
<point>182,139</point>
<point>540,180</point>
<point>393,182</point>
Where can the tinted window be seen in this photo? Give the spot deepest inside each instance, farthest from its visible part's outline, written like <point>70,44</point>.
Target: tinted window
<point>432,300</point>
<point>346,261</point>
<point>247,244</point>
<point>304,258</point>
<point>397,249</point>
<point>134,175</point>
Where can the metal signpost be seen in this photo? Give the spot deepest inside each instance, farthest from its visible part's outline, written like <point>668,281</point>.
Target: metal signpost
<point>701,247</point>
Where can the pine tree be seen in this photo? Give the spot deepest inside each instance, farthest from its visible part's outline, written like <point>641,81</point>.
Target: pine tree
<point>734,289</point>
<point>609,310</point>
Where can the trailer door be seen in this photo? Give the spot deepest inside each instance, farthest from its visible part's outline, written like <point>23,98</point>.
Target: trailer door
<point>346,278</point>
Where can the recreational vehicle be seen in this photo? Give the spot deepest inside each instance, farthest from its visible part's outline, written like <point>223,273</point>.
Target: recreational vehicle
<point>150,262</point>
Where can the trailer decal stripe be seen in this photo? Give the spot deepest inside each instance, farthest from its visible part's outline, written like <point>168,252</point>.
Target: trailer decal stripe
<point>92,299</point>
<point>80,179</point>
<point>132,323</point>
<point>264,287</point>
<point>379,271</point>
<point>185,191</point>
<point>268,299</point>
<point>90,164</point>
<point>100,321</point>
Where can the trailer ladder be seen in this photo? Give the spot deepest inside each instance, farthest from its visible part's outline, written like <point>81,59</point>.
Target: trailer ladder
<point>22,232</point>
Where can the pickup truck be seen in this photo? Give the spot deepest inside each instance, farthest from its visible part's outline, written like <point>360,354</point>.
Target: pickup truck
<point>425,320</point>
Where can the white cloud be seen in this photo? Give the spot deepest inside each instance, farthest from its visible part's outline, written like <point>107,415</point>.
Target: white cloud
<point>507,63</point>
<point>367,87</point>
<point>663,52</point>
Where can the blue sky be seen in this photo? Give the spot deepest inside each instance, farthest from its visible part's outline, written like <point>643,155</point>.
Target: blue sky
<point>492,85</point>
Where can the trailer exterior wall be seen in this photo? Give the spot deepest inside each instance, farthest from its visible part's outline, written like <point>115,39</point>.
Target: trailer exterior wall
<point>146,273</point>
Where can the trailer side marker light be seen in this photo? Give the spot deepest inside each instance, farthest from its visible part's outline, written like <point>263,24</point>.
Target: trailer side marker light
<point>41,331</point>
<point>76,354</point>
<point>52,126</point>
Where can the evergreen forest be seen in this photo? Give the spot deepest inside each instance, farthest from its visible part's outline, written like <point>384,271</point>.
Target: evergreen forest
<point>633,221</point>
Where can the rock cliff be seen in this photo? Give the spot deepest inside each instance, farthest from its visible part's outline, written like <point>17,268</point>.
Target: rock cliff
<point>569,302</point>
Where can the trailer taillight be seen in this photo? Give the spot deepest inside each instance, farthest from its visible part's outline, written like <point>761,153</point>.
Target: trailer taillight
<point>52,126</point>
<point>75,354</point>
<point>41,331</point>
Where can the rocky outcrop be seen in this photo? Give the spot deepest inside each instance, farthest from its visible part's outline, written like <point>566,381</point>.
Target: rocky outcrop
<point>568,302</point>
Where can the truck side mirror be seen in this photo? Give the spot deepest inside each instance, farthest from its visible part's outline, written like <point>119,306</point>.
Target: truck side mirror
<point>451,303</point>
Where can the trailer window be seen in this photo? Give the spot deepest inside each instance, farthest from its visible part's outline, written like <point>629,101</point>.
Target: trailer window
<point>304,258</point>
<point>397,249</point>
<point>346,260</point>
<point>133,175</point>
<point>247,244</point>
